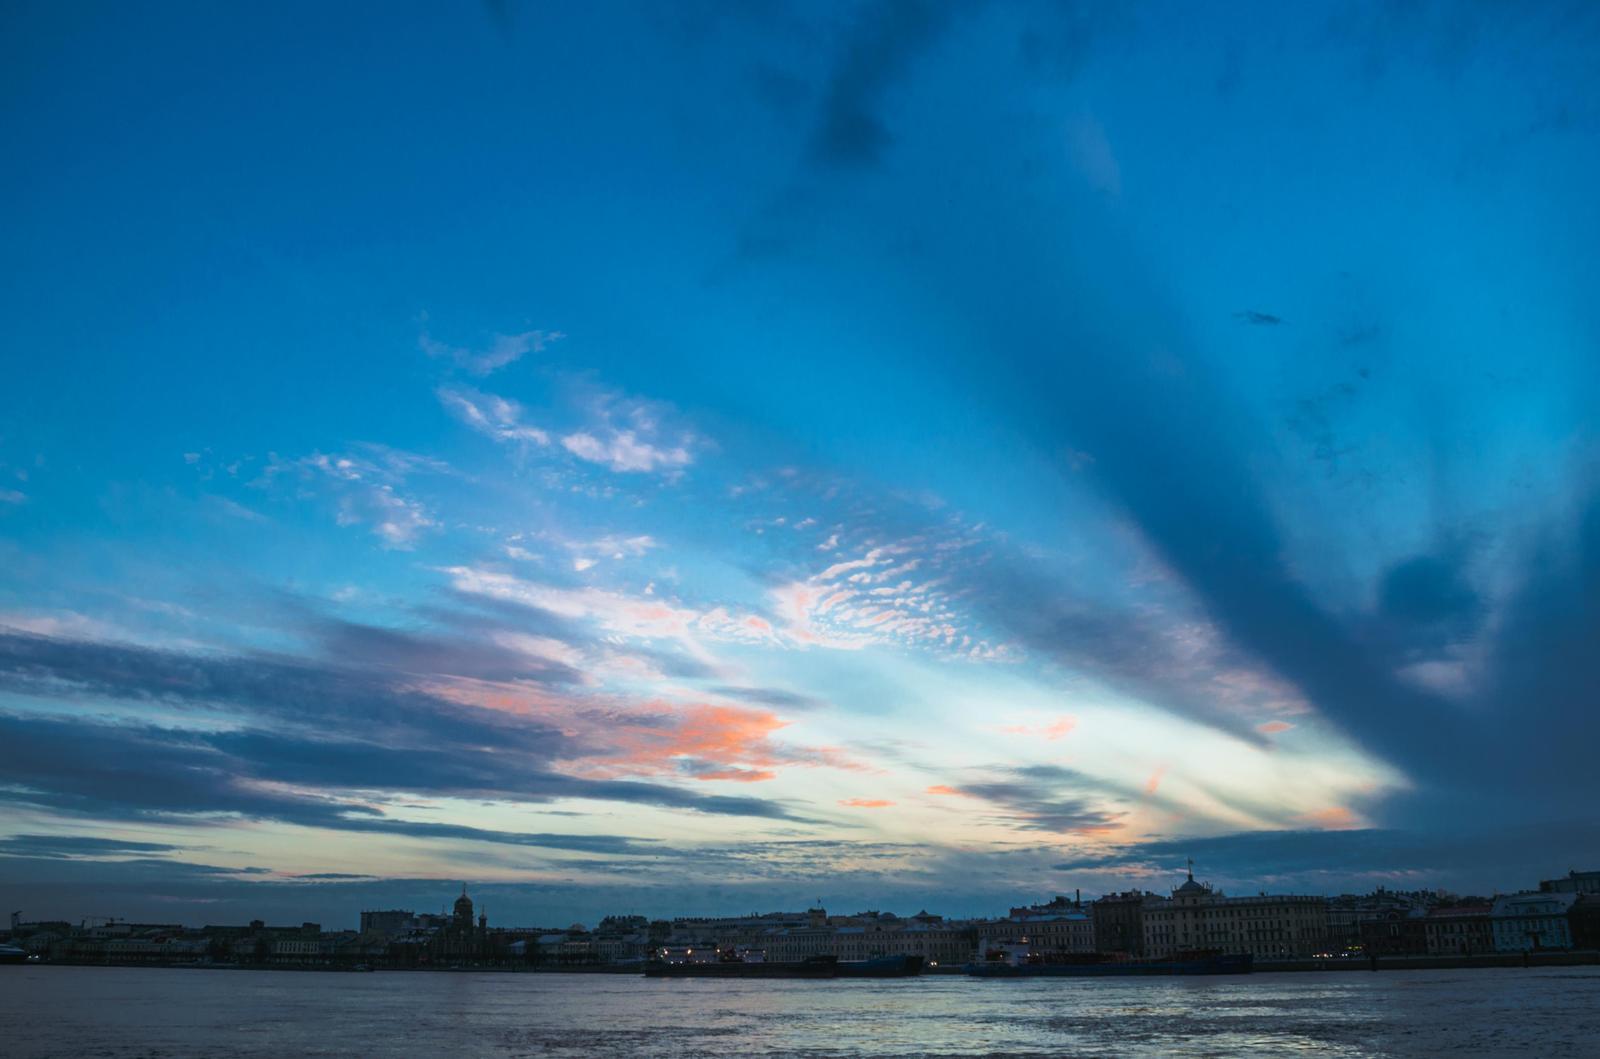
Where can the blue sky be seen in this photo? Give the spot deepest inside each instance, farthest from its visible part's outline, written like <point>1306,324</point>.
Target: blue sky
<point>673,458</point>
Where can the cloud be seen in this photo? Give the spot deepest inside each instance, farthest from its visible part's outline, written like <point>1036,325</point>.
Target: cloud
<point>496,417</point>
<point>895,593</point>
<point>1043,798</point>
<point>624,450</point>
<point>711,741</point>
<point>1051,732</point>
<point>1149,643</point>
<point>625,435</point>
<point>865,803</point>
<point>303,739</point>
<point>366,486</point>
<point>502,350</point>
<point>1250,316</point>
<point>396,519</point>
<point>13,496</point>
<point>1320,861</point>
<point>481,657</point>
<point>76,846</point>
<point>777,698</point>
<point>878,50</point>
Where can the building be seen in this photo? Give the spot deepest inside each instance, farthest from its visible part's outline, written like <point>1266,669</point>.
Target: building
<point>1119,922</point>
<point>622,939</point>
<point>1532,921</point>
<point>1576,882</point>
<point>1584,918</point>
<point>1347,912</point>
<point>1397,932</point>
<point>1059,927</point>
<point>1267,926</point>
<point>871,934</point>
<point>460,939</point>
<point>1464,930</point>
<point>389,922</point>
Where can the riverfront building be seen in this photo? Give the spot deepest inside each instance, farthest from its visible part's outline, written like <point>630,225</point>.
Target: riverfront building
<point>1061,926</point>
<point>1267,926</point>
<point>1119,922</point>
<point>1465,930</point>
<point>1531,921</point>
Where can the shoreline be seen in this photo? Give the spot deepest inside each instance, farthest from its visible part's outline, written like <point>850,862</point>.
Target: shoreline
<point>1530,960</point>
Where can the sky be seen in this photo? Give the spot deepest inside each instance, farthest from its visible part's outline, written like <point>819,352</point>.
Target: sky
<point>702,458</point>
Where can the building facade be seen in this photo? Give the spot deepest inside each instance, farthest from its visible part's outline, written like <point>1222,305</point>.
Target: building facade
<point>1267,926</point>
<point>1119,922</point>
<point>1465,930</point>
<point>1532,921</point>
<point>1575,882</point>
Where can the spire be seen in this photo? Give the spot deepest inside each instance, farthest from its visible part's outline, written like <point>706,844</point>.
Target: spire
<point>1191,871</point>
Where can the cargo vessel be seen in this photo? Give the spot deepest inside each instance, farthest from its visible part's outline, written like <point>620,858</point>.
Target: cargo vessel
<point>810,967</point>
<point>882,967</point>
<point>754,965</point>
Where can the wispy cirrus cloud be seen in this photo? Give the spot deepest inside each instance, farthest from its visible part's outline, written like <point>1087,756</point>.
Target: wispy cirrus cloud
<point>368,487</point>
<point>496,417</point>
<point>623,434</point>
<point>1045,798</point>
<point>501,351</point>
<point>629,435</point>
<point>895,593</point>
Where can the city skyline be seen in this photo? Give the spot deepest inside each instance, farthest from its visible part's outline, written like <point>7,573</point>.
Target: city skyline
<point>906,454</point>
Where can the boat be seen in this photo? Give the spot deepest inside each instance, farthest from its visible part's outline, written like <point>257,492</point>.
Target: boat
<point>13,954</point>
<point>1098,965</point>
<point>810,967</point>
<point>881,967</point>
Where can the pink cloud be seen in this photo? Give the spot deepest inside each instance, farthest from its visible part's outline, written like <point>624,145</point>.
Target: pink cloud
<point>1333,818</point>
<point>866,803</point>
<point>737,775</point>
<point>1273,727</point>
<point>1061,728</point>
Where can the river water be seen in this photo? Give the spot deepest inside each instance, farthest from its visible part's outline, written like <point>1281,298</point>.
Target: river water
<point>117,1012</point>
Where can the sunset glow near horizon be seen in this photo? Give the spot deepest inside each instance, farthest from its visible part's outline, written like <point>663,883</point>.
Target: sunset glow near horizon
<point>915,455</point>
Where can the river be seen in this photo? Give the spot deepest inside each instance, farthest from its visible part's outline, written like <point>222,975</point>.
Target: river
<point>126,1012</point>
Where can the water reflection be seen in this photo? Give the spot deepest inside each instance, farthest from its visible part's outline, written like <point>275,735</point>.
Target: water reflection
<point>50,1011</point>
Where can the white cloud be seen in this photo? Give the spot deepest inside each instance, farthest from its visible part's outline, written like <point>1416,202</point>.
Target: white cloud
<point>366,484</point>
<point>503,350</point>
<point>397,520</point>
<point>497,417</point>
<point>624,450</point>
